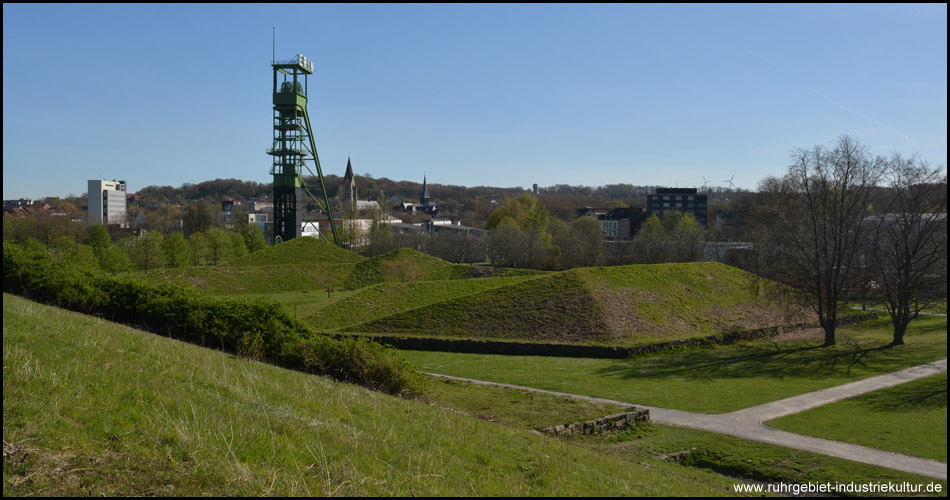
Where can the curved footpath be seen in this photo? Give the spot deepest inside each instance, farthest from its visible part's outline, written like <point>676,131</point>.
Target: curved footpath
<point>747,423</point>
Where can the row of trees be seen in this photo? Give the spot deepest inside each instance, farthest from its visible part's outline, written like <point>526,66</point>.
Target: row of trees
<point>842,221</point>
<point>523,234</point>
<point>153,250</point>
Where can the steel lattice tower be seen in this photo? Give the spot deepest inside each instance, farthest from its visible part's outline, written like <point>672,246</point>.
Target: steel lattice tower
<point>293,145</point>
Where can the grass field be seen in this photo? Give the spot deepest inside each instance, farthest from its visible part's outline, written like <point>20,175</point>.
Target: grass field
<point>696,449</point>
<point>710,380</point>
<point>524,409</point>
<point>909,418</point>
<point>94,408</point>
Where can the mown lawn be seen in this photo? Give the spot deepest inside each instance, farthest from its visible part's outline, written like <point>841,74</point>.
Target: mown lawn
<point>909,418</point>
<point>710,380</point>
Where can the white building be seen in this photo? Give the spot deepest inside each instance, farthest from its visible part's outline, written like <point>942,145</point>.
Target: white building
<point>107,202</point>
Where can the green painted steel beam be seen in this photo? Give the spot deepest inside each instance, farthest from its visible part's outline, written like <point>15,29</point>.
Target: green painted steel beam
<point>323,186</point>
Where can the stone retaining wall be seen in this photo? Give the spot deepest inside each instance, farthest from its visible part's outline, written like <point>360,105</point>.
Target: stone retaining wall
<point>609,423</point>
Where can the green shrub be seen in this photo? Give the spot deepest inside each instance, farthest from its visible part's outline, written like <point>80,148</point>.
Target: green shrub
<point>259,330</point>
<point>360,361</point>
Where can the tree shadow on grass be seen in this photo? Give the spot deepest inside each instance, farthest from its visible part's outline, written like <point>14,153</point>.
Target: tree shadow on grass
<point>929,393</point>
<point>760,359</point>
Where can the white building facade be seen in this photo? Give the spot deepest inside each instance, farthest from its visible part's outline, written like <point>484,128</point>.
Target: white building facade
<point>107,202</point>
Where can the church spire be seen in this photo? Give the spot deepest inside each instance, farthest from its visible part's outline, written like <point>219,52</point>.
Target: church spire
<point>424,197</point>
<point>349,169</point>
<point>348,190</point>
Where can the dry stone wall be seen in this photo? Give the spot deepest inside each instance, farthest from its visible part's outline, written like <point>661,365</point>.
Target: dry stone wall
<point>609,423</point>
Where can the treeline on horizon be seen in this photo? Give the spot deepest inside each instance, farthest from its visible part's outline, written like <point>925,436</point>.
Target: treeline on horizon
<point>472,204</point>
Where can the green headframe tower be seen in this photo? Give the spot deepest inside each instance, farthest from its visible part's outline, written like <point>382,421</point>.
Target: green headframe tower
<point>293,147</point>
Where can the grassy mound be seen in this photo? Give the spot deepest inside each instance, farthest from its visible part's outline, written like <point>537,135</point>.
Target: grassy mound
<point>299,264</point>
<point>94,408</point>
<point>624,305</point>
<point>250,279</point>
<point>386,299</point>
<point>299,251</point>
<point>402,265</point>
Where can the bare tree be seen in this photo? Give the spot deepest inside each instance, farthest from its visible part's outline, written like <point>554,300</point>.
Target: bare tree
<point>909,247</point>
<point>809,223</point>
<point>507,245</point>
<point>583,244</point>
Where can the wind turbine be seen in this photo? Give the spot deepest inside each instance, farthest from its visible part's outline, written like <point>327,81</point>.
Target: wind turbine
<point>705,182</point>
<point>731,185</point>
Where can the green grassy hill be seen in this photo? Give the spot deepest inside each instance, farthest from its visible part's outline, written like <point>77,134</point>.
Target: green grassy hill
<point>310,264</point>
<point>299,251</point>
<point>257,279</point>
<point>299,264</point>
<point>95,408</point>
<point>386,299</point>
<point>402,265</point>
<point>623,305</point>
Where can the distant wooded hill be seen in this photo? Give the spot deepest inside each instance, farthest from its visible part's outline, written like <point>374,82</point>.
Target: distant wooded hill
<point>474,204</point>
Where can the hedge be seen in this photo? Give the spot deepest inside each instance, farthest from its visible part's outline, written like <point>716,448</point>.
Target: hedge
<point>259,330</point>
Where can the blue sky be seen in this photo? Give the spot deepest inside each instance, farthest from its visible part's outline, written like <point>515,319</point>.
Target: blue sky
<point>498,94</point>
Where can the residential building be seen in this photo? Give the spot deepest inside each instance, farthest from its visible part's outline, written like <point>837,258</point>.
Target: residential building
<point>25,208</point>
<point>619,223</point>
<point>687,200</point>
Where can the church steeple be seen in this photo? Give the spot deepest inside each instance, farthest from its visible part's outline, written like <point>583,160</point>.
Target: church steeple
<point>348,189</point>
<point>424,197</point>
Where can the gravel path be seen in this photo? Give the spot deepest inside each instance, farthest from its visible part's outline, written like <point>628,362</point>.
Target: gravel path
<point>747,423</point>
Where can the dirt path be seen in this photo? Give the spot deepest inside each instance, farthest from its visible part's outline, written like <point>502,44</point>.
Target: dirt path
<point>747,423</point>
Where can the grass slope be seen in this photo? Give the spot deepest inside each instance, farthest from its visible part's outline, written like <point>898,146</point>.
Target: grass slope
<point>557,308</point>
<point>94,408</point>
<point>402,265</point>
<point>386,299</point>
<point>257,279</point>
<point>299,251</point>
<point>299,264</point>
<point>625,305</point>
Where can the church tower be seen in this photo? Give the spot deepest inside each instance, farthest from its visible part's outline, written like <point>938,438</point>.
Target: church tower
<point>424,197</point>
<point>348,189</point>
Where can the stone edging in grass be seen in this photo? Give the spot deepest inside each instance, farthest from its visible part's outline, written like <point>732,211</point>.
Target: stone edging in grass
<point>616,422</point>
<point>584,351</point>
